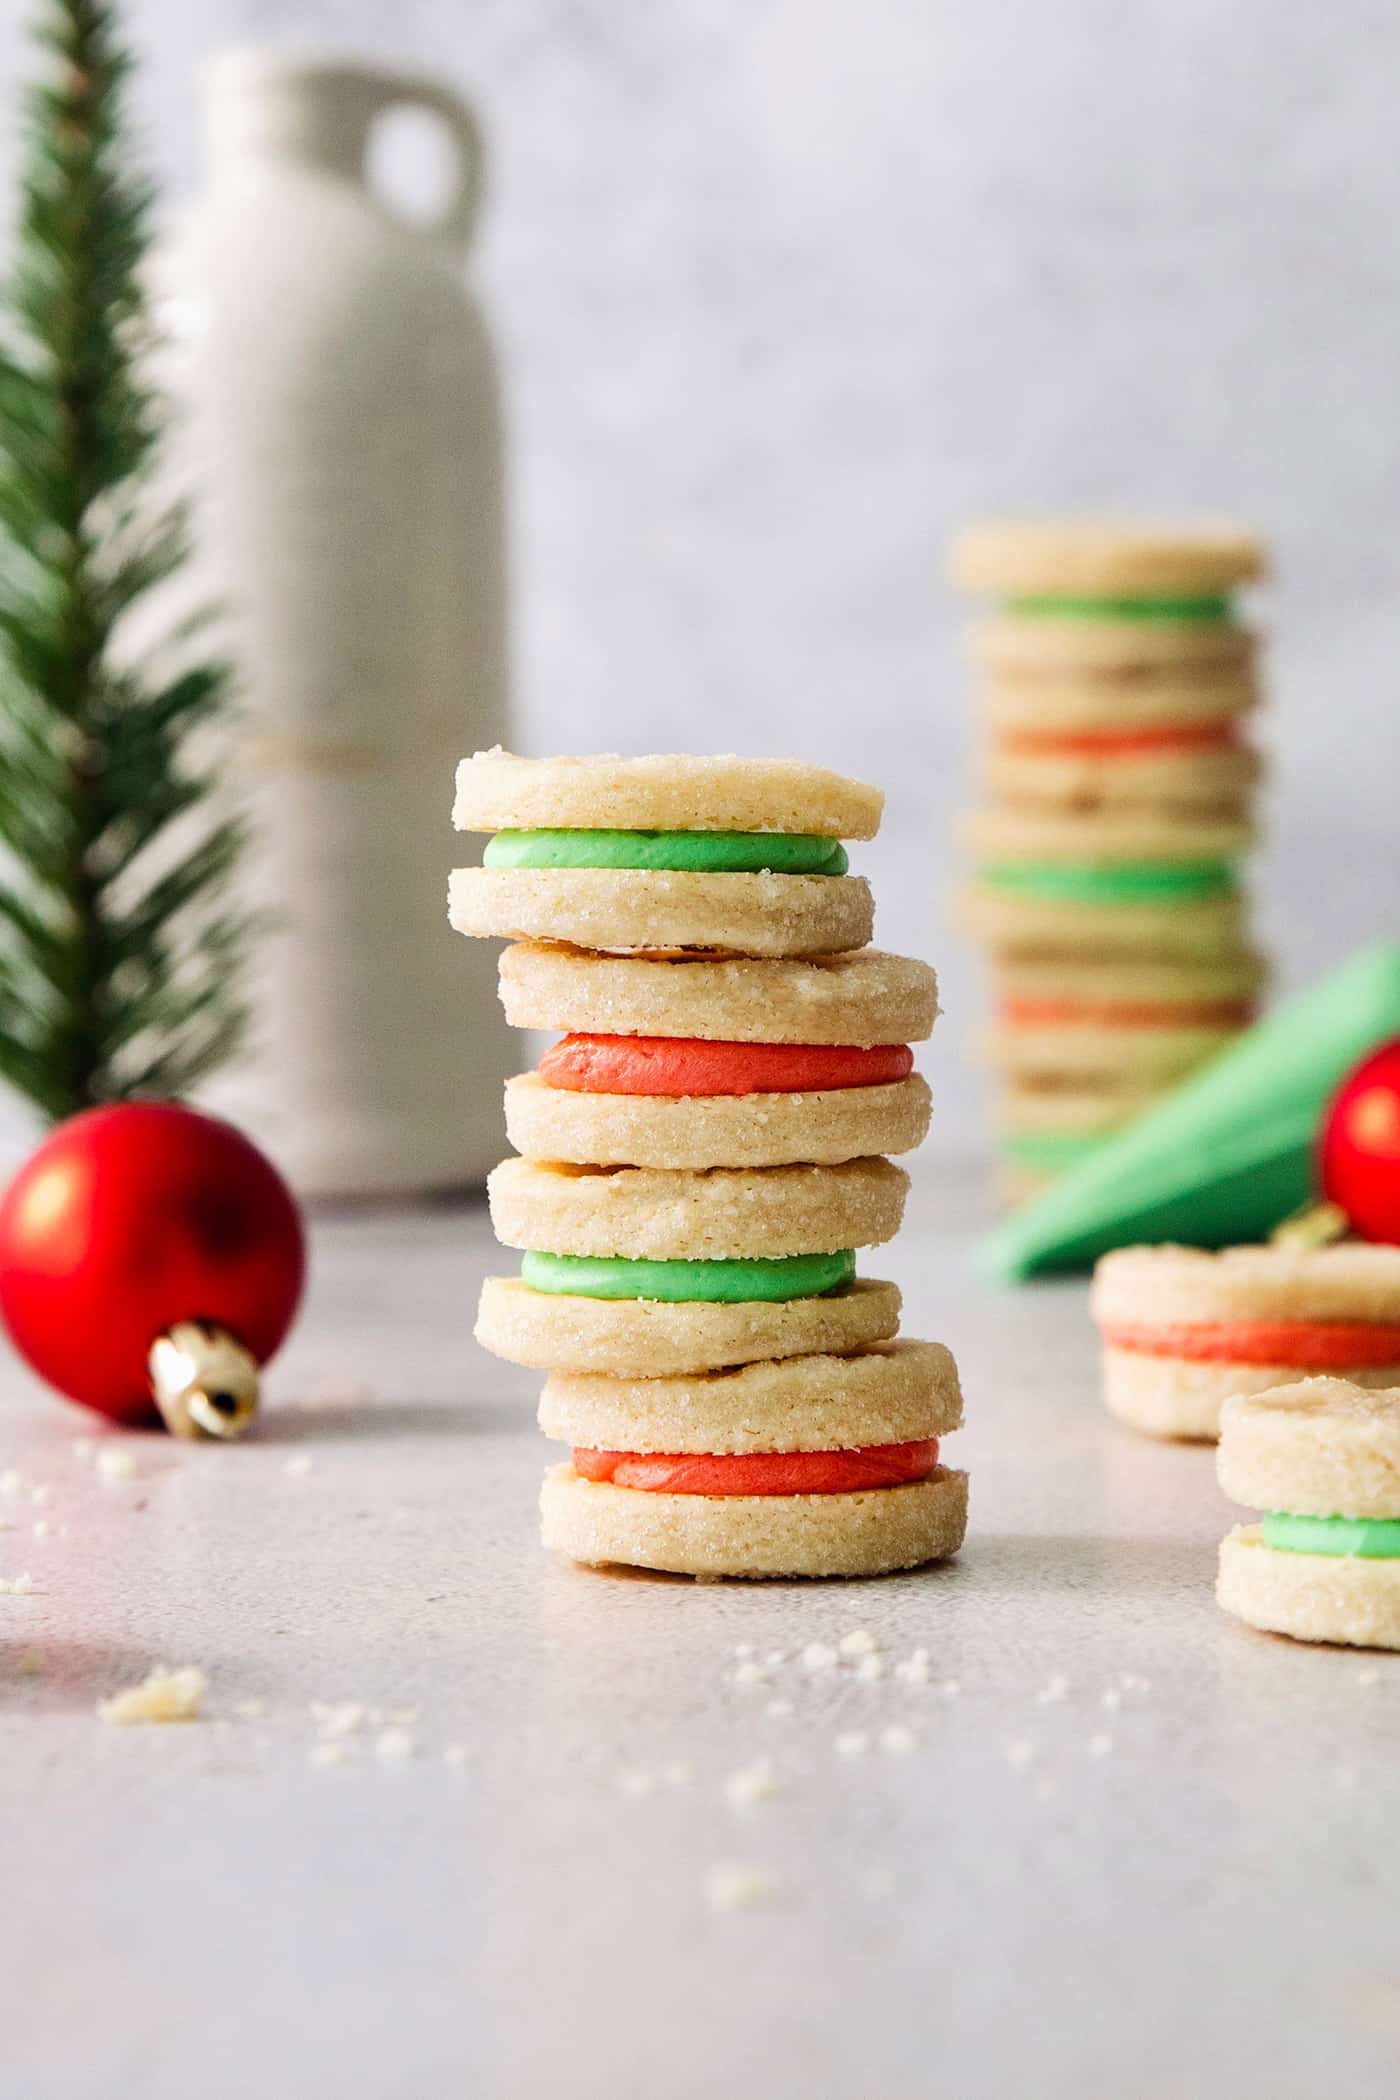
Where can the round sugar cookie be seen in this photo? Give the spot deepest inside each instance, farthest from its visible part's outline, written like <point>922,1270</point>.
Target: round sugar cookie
<point>1105,557</point>
<point>1322,1447</point>
<point>1103,839</point>
<point>645,909</point>
<point>1125,982</point>
<point>1214,782</point>
<point>1168,1285</point>
<point>1137,1062</point>
<point>698,1131</point>
<point>1015,926</point>
<point>724,1214</point>
<point>858,999</point>
<point>1142,697</point>
<point>1309,1596</point>
<point>496,791</point>
<point>893,1393</point>
<point>643,1338</point>
<point>1173,1397</point>
<point>1105,647</point>
<point>1038,1109</point>
<point>869,1533</point>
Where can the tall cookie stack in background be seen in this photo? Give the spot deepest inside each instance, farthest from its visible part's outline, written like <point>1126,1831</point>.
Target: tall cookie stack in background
<point>1114,683</point>
<point>701,1156</point>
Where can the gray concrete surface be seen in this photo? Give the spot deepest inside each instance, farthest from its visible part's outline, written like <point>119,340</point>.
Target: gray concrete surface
<point>1173,1875</point>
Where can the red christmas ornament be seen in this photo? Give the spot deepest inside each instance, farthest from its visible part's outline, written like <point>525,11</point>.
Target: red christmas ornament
<point>1359,1152</point>
<point>151,1259</point>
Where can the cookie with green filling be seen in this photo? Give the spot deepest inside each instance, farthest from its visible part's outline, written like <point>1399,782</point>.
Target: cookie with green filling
<point>1321,1460</point>
<point>647,855</point>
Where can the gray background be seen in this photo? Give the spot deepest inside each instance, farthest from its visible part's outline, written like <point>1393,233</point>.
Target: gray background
<point>790,288</point>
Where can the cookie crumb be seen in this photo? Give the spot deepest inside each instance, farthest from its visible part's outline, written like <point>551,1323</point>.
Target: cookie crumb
<point>733,1885</point>
<point>17,1585</point>
<point>868,1668</point>
<point>749,1673</point>
<point>853,1743</point>
<point>817,1656</point>
<point>115,1462</point>
<point>950,1687</point>
<point>859,1641</point>
<point>341,1718</point>
<point>395,1746</point>
<point>897,1740</point>
<point>1370,1675</point>
<point>752,1784</point>
<point>298,1465</point>
<point>329,1753</point>
<point>164,1695</point>
<point>914,1667</point>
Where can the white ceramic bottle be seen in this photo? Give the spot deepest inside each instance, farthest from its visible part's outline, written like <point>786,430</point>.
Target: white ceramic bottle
<point>340,434</point>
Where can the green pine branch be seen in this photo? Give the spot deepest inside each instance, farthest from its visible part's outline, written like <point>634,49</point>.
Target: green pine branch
<point>120,951</point>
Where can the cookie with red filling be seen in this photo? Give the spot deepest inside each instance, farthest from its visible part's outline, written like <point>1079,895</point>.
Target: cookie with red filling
<point>1184,1330</point>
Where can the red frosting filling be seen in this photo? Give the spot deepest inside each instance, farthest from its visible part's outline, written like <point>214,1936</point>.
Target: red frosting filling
<point>761,1472</point>
<point>1122,743</point>
<point>1066,1013</point>
<point>674,1065</point>
<point>1304,1345</point>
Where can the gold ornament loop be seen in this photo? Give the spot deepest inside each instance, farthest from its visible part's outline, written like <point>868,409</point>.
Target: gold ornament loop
<point>205,1383</point>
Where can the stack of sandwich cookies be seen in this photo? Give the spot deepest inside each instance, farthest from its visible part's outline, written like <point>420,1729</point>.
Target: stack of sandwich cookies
<point>1184,1331</point>
<point>1118,791</point>
<point>1321,1460</point>
<point>703,1155</point>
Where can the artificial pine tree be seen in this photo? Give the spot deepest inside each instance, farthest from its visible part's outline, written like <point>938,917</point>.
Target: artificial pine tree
<point>119,949</point>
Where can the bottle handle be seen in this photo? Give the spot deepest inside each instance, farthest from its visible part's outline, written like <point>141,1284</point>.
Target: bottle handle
<point>457,217</point>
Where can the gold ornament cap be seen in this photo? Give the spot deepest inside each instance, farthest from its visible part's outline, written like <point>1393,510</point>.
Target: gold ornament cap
<point>205,1383</point>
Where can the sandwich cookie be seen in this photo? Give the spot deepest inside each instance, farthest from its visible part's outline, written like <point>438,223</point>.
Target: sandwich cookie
<point>1177,769</point>
<point>655,1274</point>
<point>1121,1025</point>
<point>641,1089</point>
<point>726,854</point>
<point>1099,596</point>
<point>819,1466</point>
<point>1183,1330</point>
<point>1056,884</point>
<point>1321,1459</point>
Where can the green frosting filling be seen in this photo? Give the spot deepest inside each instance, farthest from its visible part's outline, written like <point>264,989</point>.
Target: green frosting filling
<point>1049,1148</point>
<point>712,1282</point>
<point>1187,609</point>
<point>1130,882</point>
<point>1363,1538</point>
<point>698,852</point>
